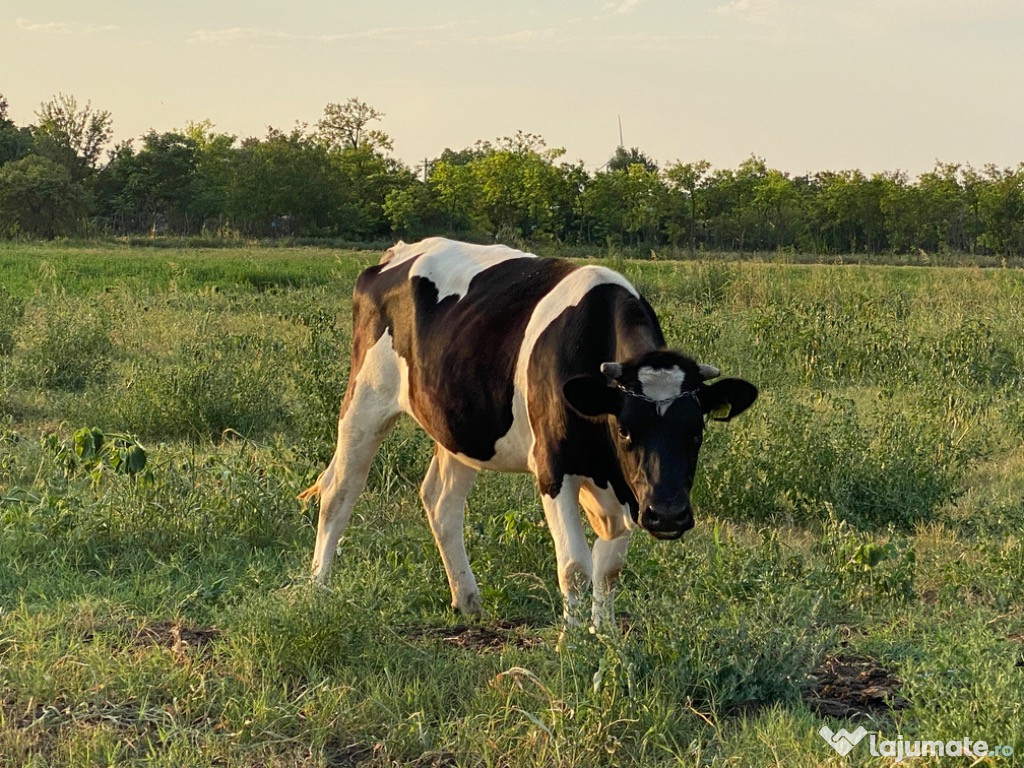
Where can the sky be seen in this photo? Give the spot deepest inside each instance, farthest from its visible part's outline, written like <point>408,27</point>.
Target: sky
<point>809,85</point>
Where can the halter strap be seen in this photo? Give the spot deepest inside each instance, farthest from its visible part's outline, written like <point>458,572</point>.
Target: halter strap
<point>661,405</point>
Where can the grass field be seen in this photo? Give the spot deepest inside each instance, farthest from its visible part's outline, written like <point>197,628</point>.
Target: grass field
<point>858,557</point>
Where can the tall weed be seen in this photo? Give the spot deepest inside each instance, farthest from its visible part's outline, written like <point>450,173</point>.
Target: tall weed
<point>208,387</point>
<point>64,345</point>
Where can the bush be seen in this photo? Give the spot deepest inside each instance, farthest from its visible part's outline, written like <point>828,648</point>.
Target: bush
<point>65,346</point>
<point>794,461</point>
<point>208,387</point>
<point>321,372</point>
<point>12,310</point>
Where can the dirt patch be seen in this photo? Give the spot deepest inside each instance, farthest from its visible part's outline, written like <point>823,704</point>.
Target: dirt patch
<point>173,635</point>
<point>853,687</point>
<point>347,755</point>
<point>480,638</point>
<point>176,636</point>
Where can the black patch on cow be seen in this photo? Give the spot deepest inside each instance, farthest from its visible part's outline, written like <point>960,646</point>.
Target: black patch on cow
<point>609,323</point>
<point>461,352</point>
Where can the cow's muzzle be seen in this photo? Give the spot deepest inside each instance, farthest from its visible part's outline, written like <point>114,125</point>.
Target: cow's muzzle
<point>667,521</point>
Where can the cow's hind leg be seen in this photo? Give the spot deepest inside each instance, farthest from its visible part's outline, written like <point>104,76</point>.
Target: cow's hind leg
<point>444,492</point>
<point>368,412</point>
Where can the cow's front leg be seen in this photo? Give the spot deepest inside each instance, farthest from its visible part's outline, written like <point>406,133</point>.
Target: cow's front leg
<point>608,558</point>
<point>575,567</point>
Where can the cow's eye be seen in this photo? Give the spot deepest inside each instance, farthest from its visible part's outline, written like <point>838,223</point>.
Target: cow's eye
<point>624,434</point>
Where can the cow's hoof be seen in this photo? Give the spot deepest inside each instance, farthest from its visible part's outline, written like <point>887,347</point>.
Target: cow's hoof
<point>469,607</point>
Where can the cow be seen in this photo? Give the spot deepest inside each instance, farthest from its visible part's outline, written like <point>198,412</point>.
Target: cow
<point>516,363</point>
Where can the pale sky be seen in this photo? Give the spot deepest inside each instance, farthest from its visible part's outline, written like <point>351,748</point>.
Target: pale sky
<point>809,85</point>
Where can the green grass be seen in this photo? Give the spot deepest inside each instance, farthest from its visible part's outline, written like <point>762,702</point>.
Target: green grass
<point>870,505</point>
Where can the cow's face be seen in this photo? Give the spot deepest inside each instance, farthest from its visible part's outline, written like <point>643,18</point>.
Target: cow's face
<point>656,406</point>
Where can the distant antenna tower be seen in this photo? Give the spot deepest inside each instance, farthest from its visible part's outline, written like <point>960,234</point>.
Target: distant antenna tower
<point>622,144</point>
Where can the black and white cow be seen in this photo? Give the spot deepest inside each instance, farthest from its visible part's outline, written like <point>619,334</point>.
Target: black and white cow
<point>523,364</point>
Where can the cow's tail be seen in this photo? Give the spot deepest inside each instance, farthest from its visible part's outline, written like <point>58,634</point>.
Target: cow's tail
<point>313,490</point>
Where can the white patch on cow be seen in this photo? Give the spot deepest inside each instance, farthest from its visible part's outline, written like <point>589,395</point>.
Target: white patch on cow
<point>449,265</point>
<point>608,516</point>
<point>662,385</point>
<point>578,567</point>
<point>376,400</point>
<point>444,491</point>
<point>575,563</point>
<point>514,450</point>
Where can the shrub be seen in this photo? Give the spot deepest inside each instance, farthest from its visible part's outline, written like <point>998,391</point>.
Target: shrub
<point>12,310</point>
<point>208,387</point>
<point>65,346</point>
<point>321,372</point>
<point>793,460</point>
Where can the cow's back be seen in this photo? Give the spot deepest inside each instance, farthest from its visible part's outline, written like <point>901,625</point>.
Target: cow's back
<point>457,315</point>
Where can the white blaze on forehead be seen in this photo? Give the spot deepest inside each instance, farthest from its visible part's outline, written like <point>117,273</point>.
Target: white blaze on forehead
<point>661,384</point>
<point>450,265</point>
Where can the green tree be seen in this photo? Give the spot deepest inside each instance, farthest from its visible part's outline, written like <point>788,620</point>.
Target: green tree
<point>215,158</point>
<point>1001,210</point>
<point>520,190</point>
<point>457,191</point>
<point>346,126</point>
<point>15,142</point>
<point>779,204</point>
<point>414,211</point>
<point>684,181</point>
<point>118,197</point>
<point>846,212</point>
<point>39,198</point>
<point>626,206</point>
<point>903,213</point>
<point>284,175</point>
<point>173,183</point>
<point>729,196</point>
<point>623,158</point>
<point>72,136</point>
<point>945,209</point>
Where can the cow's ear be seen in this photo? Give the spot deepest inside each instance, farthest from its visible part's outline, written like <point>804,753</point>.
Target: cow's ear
<point>727,398</point>
<point>592,396</point>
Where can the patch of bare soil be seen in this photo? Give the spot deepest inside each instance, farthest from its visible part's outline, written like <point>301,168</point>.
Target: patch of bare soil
<point>173,635</point>
<point>853,687</point>
<point>480,638</point>
<point>176,636</point>
<point>362,755</point>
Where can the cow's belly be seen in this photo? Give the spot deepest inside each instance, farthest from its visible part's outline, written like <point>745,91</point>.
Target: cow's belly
<point>512,450</point>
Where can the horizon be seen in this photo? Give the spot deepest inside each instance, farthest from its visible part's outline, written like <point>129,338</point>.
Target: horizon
<point>866,86</point>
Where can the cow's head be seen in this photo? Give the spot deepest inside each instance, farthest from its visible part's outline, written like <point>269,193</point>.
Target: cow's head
<point>656,406</point>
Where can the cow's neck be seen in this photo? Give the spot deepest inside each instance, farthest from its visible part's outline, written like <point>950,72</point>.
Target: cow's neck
<point>635,336</point>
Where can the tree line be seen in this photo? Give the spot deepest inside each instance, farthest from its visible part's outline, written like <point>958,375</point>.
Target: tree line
<point>339,179</point>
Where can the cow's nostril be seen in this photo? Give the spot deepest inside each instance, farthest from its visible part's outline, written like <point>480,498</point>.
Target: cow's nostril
<point>651,517</point>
